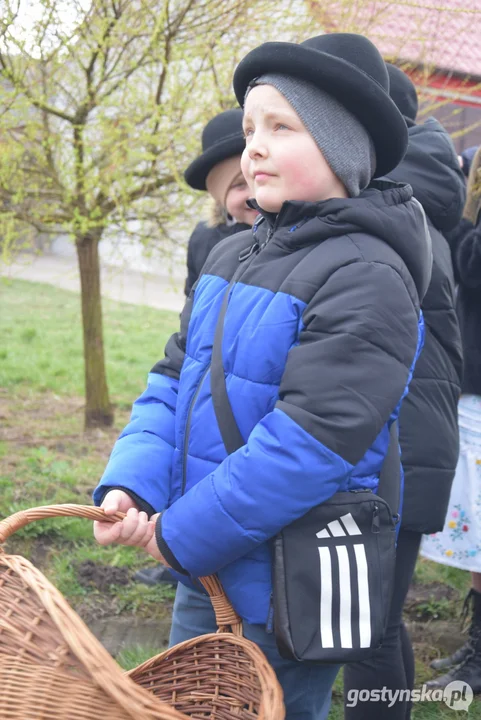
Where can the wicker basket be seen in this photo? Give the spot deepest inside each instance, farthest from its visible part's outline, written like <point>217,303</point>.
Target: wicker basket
<point>53,668</point>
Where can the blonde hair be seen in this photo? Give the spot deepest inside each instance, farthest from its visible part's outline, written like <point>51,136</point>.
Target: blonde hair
<point>214,213</point>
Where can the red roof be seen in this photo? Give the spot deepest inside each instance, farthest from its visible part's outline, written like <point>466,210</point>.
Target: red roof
<point>443,34</point>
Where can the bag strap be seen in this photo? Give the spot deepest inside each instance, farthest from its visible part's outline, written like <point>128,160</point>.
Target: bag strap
<point>390,476</point>
<point>389,487</point>
<point>229,430</point>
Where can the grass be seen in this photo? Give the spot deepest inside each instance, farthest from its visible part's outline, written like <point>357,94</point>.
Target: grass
<point>137,654</point>
<point>428,572</point>
<point>41,341</point>
<point>46,458</point>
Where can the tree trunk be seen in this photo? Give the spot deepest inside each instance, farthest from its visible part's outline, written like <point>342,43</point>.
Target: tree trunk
<point>98,410</point>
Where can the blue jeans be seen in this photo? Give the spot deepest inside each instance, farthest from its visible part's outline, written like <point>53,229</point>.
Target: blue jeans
<point>307,688</point>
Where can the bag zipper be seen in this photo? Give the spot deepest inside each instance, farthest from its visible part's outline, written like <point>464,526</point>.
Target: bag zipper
<point>270,616</point>
<point>376,524</point>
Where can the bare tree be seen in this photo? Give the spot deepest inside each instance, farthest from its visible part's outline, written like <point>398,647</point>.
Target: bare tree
<point>99,115</point>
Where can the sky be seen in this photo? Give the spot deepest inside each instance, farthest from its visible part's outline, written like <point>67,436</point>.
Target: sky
<point>31,14</point>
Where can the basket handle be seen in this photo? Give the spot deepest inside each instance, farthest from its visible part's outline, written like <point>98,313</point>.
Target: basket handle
<point>225,615</point>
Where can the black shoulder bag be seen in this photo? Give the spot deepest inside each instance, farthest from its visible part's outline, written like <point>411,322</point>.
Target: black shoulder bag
<point>333,568</point>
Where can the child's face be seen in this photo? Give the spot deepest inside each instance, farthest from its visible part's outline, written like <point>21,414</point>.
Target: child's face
<point>236,199</point>
<point>281,160</point>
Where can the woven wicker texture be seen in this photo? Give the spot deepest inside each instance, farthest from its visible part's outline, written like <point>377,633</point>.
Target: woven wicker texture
<point>53,668</point>
<point>230,687</point>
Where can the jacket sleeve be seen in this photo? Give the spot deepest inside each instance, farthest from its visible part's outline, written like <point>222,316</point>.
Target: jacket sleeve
<point>197,252</point>
<point>141,460</point>
<point>341,384</point>
<point>192,273</point>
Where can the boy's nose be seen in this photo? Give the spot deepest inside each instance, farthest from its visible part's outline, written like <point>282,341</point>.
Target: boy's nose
<point>256,147</point>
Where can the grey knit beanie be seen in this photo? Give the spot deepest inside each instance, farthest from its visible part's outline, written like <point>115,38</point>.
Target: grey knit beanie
<point>343,141</point>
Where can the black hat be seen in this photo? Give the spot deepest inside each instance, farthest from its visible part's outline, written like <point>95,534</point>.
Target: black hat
<point>222,138</point>
<point>350,68</point>
<point>403,92</point>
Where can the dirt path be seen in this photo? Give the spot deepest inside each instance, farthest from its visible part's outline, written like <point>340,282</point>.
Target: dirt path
<point>120,284</point>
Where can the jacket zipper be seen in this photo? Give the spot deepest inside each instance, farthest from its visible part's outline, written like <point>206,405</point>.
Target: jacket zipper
<point>270,233</point>
<point>244,255</point>
<point>187,426</point>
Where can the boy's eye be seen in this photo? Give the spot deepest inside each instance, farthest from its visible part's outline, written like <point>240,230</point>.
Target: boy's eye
<point>281,126</point>
<point>248,131</point>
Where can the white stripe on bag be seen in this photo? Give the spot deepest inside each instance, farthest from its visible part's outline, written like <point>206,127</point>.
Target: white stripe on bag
<point>336,528</point>
<point>327,640</point>
<point>350,524</point>
<point>364,604</point>
<point>345,596</point>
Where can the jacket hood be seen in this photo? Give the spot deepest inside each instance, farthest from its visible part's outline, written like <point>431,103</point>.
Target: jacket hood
<point>431,167</point>
<point>386,210</point>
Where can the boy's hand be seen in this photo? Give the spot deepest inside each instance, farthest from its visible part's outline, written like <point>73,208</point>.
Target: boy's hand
<point>115,500</point>
<point>135,529</point>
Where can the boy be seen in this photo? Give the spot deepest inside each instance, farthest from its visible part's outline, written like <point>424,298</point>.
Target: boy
<point>428,428</point>
<point>320,337</point>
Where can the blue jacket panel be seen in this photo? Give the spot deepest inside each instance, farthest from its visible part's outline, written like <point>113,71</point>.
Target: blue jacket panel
<point>142,456</point>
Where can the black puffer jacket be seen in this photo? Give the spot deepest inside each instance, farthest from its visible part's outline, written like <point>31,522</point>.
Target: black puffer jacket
<point>320,335</point>
<point>465,243</point>
<point>428,421</point>
<point>201,242</point>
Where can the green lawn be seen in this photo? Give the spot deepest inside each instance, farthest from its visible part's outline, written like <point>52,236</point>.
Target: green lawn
<point>46,458</point>
<point>41,341</point>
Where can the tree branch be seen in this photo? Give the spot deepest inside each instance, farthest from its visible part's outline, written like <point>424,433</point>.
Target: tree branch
<point>79,152</point>
<point>108,204</point>
<point>89,70</point>
<point>8,74</point>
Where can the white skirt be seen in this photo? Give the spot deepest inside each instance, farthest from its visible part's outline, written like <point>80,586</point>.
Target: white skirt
<point>459,543</point>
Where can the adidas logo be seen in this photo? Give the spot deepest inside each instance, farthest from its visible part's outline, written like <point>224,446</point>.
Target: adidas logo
<point>348,561</point>
<point>335,529</point>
